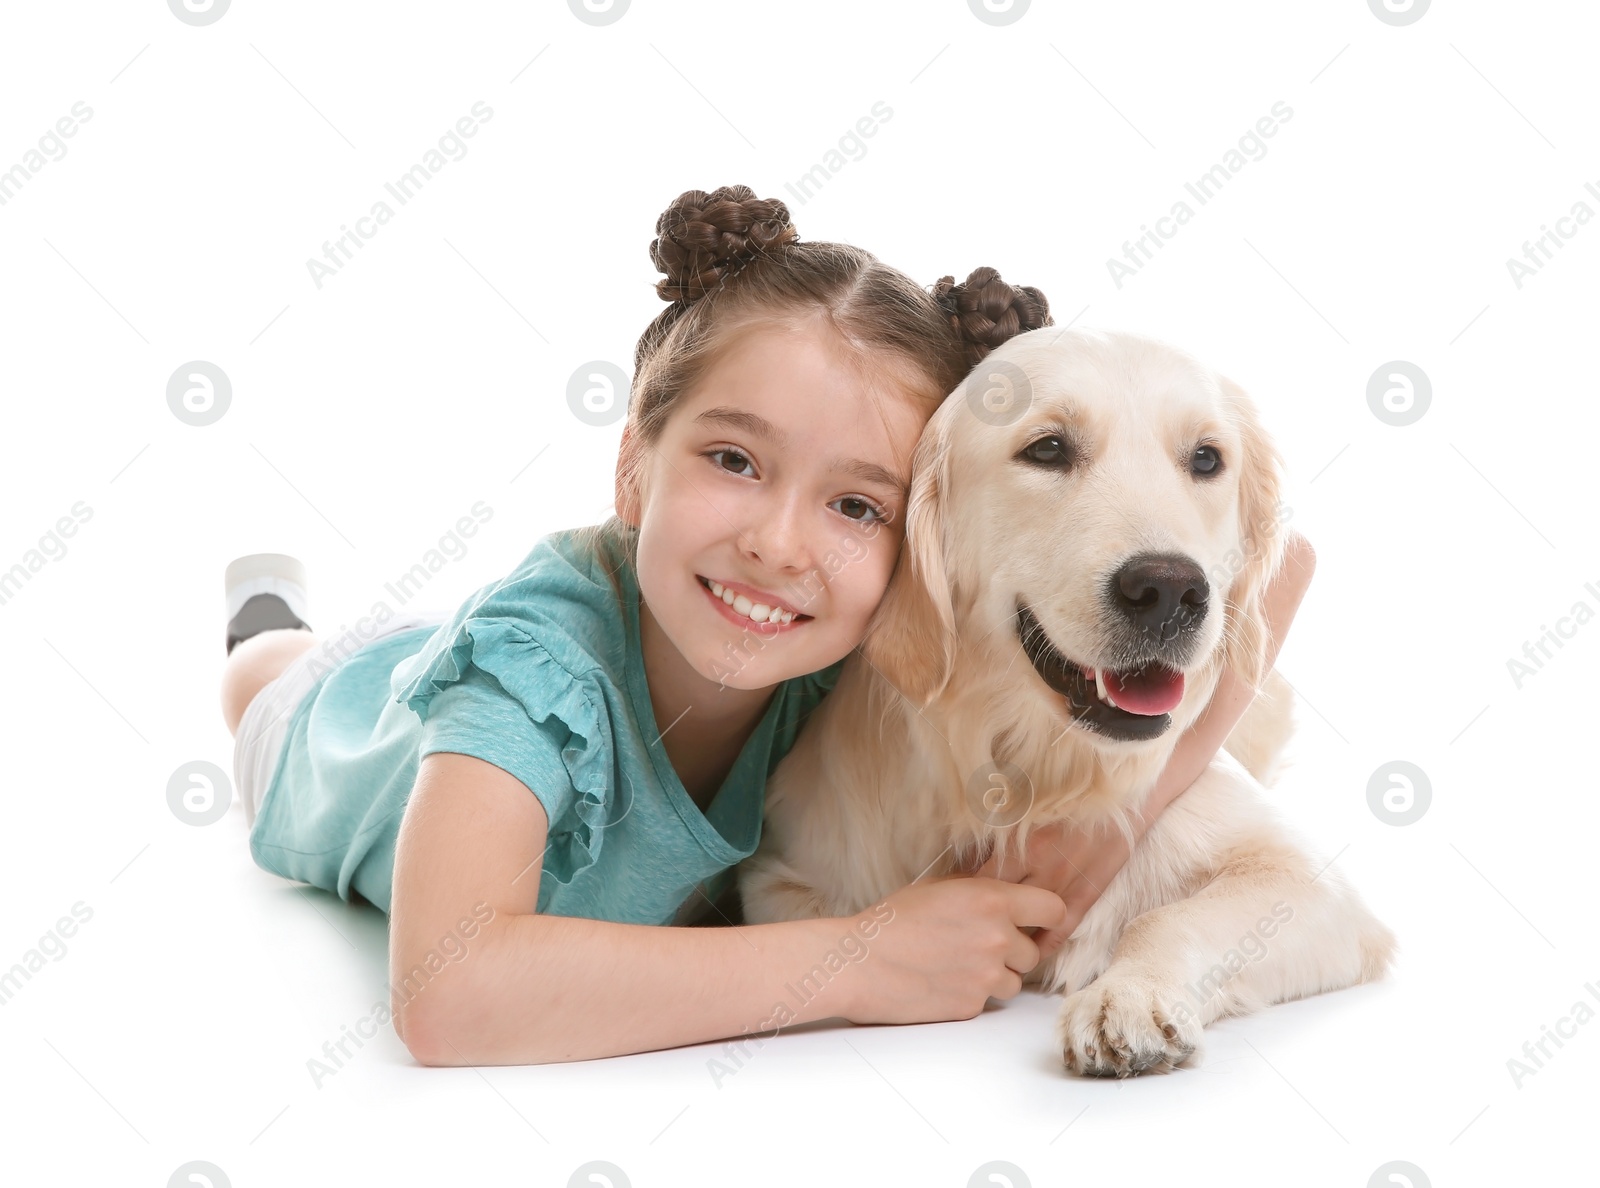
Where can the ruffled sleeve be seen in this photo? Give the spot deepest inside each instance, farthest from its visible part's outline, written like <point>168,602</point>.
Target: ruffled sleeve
<point>487,687</point>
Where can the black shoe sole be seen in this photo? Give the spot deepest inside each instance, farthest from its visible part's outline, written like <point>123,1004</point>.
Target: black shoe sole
<point>262,612</point>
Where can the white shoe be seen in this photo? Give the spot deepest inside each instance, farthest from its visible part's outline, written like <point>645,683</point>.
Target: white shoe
<point>264,592</point>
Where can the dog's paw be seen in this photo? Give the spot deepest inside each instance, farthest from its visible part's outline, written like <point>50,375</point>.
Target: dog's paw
<point>1118,1026</point>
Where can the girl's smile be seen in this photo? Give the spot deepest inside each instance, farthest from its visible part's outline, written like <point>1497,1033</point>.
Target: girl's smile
<point>753,609</point>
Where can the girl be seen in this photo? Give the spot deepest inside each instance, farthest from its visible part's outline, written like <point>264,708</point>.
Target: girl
<point>579,754</point>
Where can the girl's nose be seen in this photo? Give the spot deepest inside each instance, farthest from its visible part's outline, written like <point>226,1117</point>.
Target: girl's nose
<point>778,538</point>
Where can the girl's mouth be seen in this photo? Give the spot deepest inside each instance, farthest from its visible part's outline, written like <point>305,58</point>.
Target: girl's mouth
<point>761,618</point>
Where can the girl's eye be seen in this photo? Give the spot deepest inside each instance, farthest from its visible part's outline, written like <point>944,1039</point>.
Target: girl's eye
<point>862,511</point>
<point>1206,462</point>
<point>856,508</point>
<point>731,460</point>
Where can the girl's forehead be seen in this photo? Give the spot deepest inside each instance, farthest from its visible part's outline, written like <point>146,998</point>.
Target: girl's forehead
<point>776,346</point>
<point>787,375</point>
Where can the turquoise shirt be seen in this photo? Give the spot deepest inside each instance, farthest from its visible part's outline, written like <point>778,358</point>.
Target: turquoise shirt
<point>539,674</point>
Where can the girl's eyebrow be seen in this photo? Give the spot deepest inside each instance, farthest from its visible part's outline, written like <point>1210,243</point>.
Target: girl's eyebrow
<point>739,418</point>
<point>870,472</point>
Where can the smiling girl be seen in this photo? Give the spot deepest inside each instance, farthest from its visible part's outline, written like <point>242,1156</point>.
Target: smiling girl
<point>552,784</point>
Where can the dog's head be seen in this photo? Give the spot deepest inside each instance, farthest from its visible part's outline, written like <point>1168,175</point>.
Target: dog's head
<point>1095,512</point>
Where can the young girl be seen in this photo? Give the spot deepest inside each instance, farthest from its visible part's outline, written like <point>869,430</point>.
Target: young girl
<point>578,756</point>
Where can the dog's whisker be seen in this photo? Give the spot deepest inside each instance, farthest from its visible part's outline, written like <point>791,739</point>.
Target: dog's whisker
<point>1010,620</point>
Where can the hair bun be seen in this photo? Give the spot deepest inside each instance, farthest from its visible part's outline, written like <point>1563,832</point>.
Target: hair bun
<point>702,239</point>
<point>985,310</point>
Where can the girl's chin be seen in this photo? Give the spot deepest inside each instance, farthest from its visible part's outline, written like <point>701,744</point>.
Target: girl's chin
<point>746,677</point>
<point>761,671</point>
<point>752,673</point>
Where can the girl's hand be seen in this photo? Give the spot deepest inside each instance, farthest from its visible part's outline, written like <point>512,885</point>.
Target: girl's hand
<point>1077,864</point>
<point>940,948</point>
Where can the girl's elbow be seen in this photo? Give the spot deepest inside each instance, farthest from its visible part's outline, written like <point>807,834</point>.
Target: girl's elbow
<point>434,1015</point>
<point>422,1032</point>
<point>445,1036</point>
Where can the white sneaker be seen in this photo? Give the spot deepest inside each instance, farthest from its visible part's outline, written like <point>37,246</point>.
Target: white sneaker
<point>264,592</point>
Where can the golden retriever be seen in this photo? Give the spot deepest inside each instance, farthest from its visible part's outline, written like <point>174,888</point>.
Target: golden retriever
<point>1093,519</point>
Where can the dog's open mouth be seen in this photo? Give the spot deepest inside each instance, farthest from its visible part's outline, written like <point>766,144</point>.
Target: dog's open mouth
<point>1129,705</point>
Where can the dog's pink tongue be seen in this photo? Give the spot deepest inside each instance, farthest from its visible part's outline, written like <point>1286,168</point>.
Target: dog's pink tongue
<point>1150,690</point>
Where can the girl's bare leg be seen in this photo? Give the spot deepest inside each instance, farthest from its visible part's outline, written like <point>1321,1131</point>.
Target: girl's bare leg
<point>253,663</point>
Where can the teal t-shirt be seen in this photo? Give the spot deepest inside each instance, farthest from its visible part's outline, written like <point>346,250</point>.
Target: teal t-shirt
<point>540,674</point>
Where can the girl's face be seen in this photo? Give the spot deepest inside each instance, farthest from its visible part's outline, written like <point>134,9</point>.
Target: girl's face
<point>777,483</point>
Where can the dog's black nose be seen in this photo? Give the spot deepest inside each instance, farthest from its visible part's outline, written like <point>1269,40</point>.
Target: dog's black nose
<point>1161,594</point>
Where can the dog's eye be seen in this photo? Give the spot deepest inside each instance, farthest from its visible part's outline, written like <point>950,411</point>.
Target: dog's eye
<point>1047,451</point>
<point>1206,461</point>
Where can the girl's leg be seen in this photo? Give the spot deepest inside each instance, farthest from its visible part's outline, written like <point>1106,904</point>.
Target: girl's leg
<point>253,663</point>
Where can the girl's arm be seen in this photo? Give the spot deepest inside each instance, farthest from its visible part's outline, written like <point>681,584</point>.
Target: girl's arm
<point>477,977</point>
<point>1078,865</point>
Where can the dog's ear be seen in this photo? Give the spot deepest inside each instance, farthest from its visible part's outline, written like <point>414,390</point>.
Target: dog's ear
<point>911,639</point>
<point>1262,534</point>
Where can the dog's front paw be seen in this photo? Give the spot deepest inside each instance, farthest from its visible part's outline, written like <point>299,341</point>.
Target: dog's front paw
<point>1118,1026</point>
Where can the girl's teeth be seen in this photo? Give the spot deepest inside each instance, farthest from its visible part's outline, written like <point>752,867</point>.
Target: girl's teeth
<point>756,612</point>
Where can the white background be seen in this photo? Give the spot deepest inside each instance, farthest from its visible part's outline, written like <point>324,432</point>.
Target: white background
<point>371,413</point>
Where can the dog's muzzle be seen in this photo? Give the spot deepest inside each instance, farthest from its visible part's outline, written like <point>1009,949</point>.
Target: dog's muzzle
<point>1131,704</point>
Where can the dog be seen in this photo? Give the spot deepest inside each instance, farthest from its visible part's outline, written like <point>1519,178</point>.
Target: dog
<point>1092,522</point>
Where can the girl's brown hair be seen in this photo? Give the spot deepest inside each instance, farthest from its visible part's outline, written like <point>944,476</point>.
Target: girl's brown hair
<point>731,260</point>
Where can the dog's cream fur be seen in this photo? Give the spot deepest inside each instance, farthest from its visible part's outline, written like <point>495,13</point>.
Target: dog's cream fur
<point>879,789</point>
